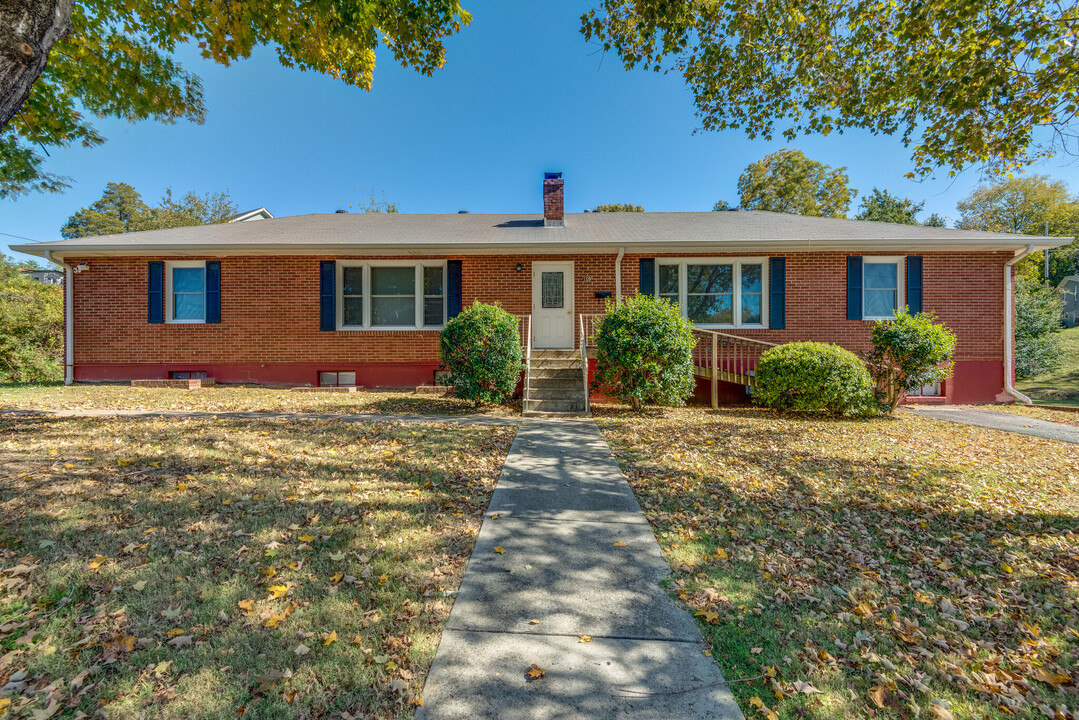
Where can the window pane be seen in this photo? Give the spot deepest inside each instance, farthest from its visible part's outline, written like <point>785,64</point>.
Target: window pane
<point>327,379</point>
<point>668,279</point>
<point>432,311</point>
<point>189,307</point>
<point>551,290</point>
<point>711,309</point>
<point>710,278</point>
<point>672,298</point>
<point>394,281</point>
<point>879,303</point>
<point>346,379</point>
<point>188,280</point>
<point>751,278</point>
<point>393,310</point>
<point>432,281</point>
<point>353,281</point>
<point>353,311</point>
<point>751,309</point>
<point>880,276</point>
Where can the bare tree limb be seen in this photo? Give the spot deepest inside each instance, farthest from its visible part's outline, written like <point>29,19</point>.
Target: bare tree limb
<point>28,30</point>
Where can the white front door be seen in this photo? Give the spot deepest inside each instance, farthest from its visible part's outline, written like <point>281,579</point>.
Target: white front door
<point>552,305</point>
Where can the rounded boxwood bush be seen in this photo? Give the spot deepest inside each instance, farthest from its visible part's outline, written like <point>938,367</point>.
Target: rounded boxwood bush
<point>814,377</point>
<point>481,348</point>
<point>644,353</point>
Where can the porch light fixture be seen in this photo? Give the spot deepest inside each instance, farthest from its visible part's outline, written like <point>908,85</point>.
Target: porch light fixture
<point>519,267</point>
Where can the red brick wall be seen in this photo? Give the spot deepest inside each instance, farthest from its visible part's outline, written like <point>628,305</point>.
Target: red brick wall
<point>270,316</point>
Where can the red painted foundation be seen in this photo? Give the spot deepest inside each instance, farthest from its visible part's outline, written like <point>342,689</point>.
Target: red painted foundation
<point>372,375</point>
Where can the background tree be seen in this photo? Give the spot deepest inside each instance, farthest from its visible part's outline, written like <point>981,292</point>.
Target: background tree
<point>115,59</point>
<point>721,205</point>
<point>121,209</point>
<point>1024,205</point>
<point>374,205</point>
<point>31,327</point>
<point>619,207</point>
<point>1037,327</point>
<point>788,182</point>
<point>882,206</point>
<point>991,83</point>
<point>935,220</point>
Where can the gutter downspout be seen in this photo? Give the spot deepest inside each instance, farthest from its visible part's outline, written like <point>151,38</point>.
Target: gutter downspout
<point>618,275</point>
<point>1009,332</point>
<point>69,317</point>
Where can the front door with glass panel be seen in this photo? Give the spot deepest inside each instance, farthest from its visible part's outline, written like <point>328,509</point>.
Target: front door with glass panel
<point>552,305</point>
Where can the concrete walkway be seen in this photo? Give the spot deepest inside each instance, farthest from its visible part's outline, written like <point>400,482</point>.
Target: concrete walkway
<point>994,420</point>
<point>565,509</point>
<point>239,415</point>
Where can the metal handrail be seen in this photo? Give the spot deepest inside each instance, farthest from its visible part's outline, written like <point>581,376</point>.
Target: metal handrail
<point>584,361</point>
<point>528,363</point>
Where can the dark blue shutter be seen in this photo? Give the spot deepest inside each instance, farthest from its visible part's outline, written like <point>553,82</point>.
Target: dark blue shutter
<point>453,288</point>
<point>327,279</point>
<point>648,276</point>
<point>854,287</point>
<point>155,295</point>
<point>914,284</point>
<point>213,291</point>
<point>777,293</point>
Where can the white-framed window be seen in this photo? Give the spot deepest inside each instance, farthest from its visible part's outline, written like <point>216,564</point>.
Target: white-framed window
<point>716,292</point>
<point>391,294</point>
<point>882,287</point>
<point>185,291</point>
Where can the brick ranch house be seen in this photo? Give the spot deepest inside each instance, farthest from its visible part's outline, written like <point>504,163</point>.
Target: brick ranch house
<point>360,298</point>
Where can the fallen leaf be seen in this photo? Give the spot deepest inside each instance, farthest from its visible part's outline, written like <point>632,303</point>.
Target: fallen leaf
<point>181,641</point>
<point>584,638</point>
<point>620,544</point>
<point>301,649</point>
<point>535,672</point>
<point>500,550</point>
<point>328,638</point>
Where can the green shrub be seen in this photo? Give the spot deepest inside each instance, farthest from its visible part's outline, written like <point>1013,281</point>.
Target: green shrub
<point>481,347</point>
<point>644,353</point>
<point>1037,325</point>
<point>908,351</point>
<point>814,377</point>
<point>31,328</point>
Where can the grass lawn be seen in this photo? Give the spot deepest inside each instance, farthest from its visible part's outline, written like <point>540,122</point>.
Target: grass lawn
<point>891,568</point>
<point>233,398</point>
<point>220,568</point>
<point>1062,386</point>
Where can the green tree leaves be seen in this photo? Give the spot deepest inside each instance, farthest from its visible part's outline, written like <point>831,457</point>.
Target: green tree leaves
<point>788,182</point>
<point>121,209</point>
<point>118,62</point>
<point>964,82</point>
<point>1037,329</point>
<point>882,206</point>
<point>31,328</point>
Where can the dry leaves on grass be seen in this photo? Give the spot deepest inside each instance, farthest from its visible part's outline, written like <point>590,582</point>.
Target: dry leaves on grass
<point>212,573</point>
<point>897,567</point>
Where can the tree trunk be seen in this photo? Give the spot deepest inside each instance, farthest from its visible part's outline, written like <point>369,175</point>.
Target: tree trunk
<point>28,30</point>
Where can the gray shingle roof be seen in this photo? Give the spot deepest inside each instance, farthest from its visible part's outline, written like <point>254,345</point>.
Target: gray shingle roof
<point>584,232</point>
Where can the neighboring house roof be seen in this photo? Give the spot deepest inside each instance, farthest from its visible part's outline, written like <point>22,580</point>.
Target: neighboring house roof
<point>257,214</point>
<point>1065,281</point>
<point>339,233</point>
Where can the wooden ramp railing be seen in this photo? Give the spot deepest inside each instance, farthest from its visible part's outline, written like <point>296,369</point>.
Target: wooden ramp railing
<point>717,356</point>
<point>730,358</point>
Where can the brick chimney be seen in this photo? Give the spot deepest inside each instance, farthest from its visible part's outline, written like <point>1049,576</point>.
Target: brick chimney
<point>553,201</point>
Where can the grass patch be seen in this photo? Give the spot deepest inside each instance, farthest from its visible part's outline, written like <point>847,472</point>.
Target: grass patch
<point>215,568</point>
<point>235,398</point>
<point>899,567</point>
<point>1061,386</point>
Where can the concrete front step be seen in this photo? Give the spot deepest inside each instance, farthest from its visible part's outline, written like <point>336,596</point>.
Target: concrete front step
<point>555,354</point>
<point>557,373</point>
<point>557,394</point>
<point>554,406</point>
<point>555,364</point>
<point>558,381</point>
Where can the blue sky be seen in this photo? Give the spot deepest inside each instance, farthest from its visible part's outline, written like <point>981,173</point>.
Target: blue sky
<point>521,92</point>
